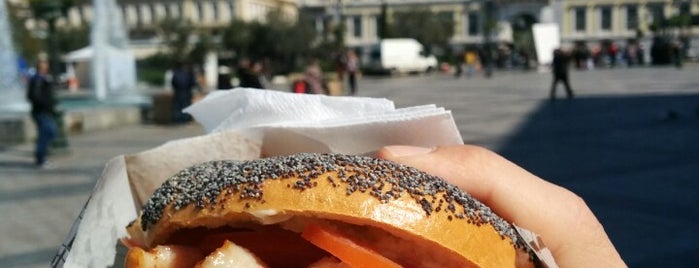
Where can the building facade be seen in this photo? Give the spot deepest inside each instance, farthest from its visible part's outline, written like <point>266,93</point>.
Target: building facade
<point>203,13</point>
<point>142,17</point>
<point>624,22</point>
<point>361,17</point>
<point>580,21</point>
<point>619,20</point>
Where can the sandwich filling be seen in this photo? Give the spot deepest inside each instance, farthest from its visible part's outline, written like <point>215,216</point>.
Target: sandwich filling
<point>213,185</point>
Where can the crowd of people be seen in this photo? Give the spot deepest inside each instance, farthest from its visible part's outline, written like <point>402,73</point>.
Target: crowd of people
<point>251,73</point>
<point>583,55</point>
<point>488,57</point>
<point>256,74</point>
<point>347,62</point>
<point>471,60</point>
<point>313,81</point>
<point>608,54</point>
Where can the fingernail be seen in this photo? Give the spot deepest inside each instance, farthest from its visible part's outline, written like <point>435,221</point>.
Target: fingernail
<point>403,150</point>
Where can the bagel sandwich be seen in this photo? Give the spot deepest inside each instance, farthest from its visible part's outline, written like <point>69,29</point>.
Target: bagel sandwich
<point>318,210</point>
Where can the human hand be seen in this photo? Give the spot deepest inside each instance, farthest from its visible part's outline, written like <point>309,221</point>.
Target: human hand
<point>567,226</point>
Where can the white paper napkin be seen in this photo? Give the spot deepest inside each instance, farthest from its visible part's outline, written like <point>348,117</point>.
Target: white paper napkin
<point>319,123</point>
<point>246,107</point>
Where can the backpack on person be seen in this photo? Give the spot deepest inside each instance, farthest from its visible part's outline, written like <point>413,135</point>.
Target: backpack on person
<point>300,86</point>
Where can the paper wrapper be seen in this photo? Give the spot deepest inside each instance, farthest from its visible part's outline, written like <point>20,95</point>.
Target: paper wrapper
<point>246,124</point>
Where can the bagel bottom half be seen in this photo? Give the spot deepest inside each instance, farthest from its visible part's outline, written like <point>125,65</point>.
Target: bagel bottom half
<point>267,206</point>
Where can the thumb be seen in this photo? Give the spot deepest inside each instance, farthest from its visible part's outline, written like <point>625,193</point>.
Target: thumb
<point>519,197</point>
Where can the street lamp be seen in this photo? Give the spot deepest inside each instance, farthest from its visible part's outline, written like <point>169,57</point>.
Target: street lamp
<point>50,11</point>
<point>383,21</point>
<point>489,25</point>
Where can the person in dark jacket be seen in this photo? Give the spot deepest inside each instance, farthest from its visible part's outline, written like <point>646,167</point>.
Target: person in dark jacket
<point>352,70</point>
<point>183,82</point>
<point>43,102</point>
<point>224,78</point>
<point>485,54</point>
<point>559,67</point>
<point>249,74</point>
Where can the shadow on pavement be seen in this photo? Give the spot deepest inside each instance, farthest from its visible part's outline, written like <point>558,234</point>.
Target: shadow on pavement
<point>635,161</point>
<point>49,191</point>
<point>33,258</point>
<point>21,164</point>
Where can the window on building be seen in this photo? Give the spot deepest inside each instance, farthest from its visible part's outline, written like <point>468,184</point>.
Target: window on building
<point>446,17</point>
<point>474,26</point>
<point>81,15</point>
<point>684,8</point>
<point>178,10</point>
<point>87,13</point>
<point>132,15</point>
<point>357,26</point>
<point>74,16</point>
<point>162,11</point>
<point>139,13</point>
<point>580,19</point>
<point>631,17</point>
<point>154,16</point>
<point>657,13</point>
<point>146,14</point>
<point>167,12</point>
<point>319,24</point>
<point>215,12</point>
<point>605,18</point>
<point>374,26</point>
<point>125,15</point>
<point>200,11</point>
<point>231,9</point>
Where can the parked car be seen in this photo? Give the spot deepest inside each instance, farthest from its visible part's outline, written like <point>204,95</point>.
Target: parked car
<point>400,55</point>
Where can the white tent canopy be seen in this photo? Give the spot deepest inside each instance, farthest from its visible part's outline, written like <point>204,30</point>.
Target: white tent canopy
<point>80,55</point>
<point>121,73</point>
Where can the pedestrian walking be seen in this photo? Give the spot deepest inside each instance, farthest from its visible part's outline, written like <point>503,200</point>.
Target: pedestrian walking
<point>341,65</point>
<point>470,58</point>
<point>559,67</point>
<point>677,57</point>
<point>256,75</point>
<point>43,102</point>
<point>183,82</point>
<point>486,57</point>
<point>352,70</point>
<point>224,78</point>
<point>458,64</point>
<point>249,73</point>
<point>313,76</point>
<point>612,51</point>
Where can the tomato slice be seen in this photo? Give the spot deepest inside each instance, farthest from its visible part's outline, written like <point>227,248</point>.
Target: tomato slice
<point>129,243</point>
<point>345,249</point>
<point>275,246</point>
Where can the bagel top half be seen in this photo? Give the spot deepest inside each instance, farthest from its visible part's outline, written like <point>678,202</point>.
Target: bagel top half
<point>361,191</point>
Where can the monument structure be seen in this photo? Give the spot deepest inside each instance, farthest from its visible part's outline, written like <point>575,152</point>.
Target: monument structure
<point>113,79</point>
<point>113,65</point>
<point>11,90</point>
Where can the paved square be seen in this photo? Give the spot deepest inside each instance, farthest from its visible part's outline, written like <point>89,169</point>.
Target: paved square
<point>627,144</point>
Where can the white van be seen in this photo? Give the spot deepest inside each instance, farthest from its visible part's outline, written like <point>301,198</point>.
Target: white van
<point>400,55</point>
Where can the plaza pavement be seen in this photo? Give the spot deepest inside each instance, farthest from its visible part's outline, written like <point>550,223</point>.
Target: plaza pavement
<point>37,207</point>
<point>627,144</point>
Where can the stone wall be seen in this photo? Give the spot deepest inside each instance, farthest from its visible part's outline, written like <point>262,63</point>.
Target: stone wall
<point>20,128</point>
